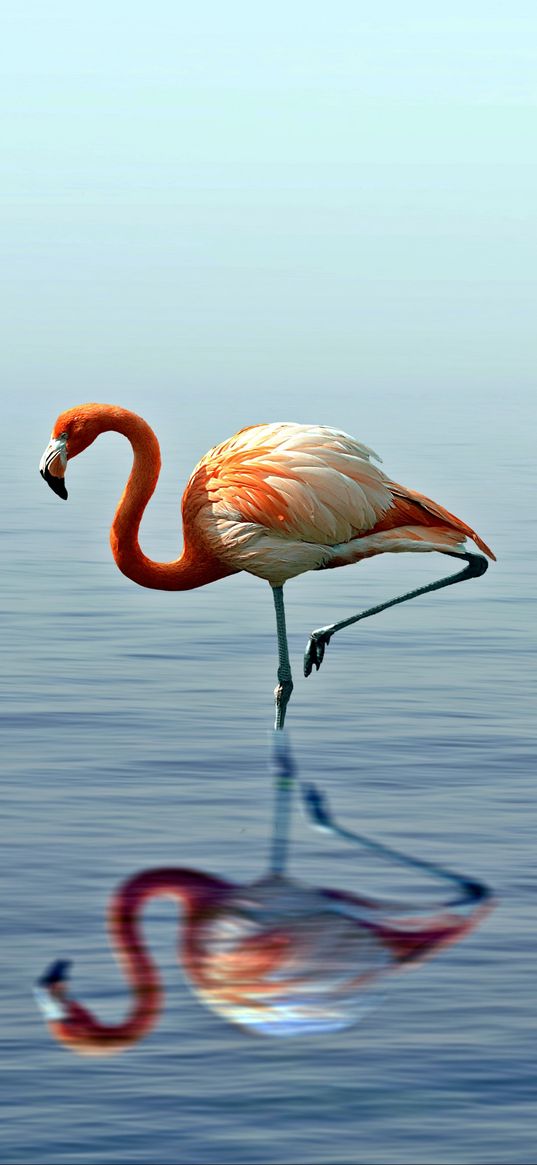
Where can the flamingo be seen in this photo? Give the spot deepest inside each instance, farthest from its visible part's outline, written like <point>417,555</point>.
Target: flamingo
<point>274,500</point>
<point>277,956</point>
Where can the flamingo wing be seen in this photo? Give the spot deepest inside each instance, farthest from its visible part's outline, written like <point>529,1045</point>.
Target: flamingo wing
<point>308,482</point>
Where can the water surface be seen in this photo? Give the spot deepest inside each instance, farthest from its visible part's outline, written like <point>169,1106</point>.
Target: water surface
<point>136,733</point>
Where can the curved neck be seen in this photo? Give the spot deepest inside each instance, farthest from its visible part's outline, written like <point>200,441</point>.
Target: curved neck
<point>196,566</point>
<point>193,890</point>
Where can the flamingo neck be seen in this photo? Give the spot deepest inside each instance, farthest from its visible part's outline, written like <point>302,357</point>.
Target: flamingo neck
<point>81,1030</point>
<point>196,566</point>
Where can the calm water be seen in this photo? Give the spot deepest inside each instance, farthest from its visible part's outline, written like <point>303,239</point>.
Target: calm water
<point>135,733</point>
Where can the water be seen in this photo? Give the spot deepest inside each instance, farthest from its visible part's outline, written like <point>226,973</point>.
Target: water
<point>136,733</point>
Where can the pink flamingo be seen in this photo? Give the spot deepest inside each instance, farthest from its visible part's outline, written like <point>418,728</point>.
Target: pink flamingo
<point>276,957</point>
<point>274,500</point>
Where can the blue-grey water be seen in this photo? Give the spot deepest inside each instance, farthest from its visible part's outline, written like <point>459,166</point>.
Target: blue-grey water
<point>135,732</point>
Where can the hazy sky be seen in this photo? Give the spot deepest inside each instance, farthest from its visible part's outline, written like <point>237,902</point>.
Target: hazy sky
<point>276,201</point>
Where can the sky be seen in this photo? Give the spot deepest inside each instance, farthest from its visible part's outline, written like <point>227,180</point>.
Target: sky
<point>270,204</point>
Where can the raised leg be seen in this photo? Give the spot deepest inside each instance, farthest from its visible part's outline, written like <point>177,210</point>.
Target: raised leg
<point>468,889</point>
<point>282,693</point>
<point>319,640</point>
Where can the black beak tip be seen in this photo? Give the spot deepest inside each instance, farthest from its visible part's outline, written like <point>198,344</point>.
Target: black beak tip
<point>57,484</point>
<point>58,972</point>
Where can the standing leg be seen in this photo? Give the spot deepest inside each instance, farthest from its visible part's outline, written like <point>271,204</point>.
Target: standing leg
<point>282,693</point>
<point>284,786</point>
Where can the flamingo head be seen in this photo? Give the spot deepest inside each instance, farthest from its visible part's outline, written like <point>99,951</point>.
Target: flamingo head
<point>74,430</point>
<point>70,1023</point>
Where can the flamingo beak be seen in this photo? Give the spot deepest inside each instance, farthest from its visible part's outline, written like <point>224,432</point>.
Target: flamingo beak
<point>49,991</point>
<point>53,465</point>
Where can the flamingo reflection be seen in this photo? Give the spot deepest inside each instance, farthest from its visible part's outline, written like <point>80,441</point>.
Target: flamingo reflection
<point>277,957</point>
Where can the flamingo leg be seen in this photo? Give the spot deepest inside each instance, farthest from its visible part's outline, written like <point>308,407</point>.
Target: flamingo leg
<point>317,809</point>
<point>284,787</point>
<point>319,640</point>
<point>282,693</point>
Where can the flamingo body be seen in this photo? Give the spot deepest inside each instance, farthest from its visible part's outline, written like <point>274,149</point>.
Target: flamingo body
<point>278,500</point>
